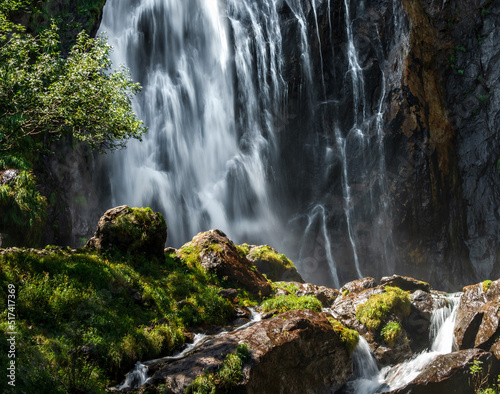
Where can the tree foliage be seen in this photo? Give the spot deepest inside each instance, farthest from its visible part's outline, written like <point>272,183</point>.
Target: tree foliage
<point>45,95</point>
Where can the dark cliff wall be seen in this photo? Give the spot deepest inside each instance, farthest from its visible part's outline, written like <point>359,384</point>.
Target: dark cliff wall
<point>436,65</point>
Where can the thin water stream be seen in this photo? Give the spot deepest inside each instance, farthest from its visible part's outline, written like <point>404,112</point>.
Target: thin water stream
<point>139,375</point>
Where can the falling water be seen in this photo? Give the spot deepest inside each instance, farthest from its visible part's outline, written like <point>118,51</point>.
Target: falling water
<point>206,160</point>
<point>370,380</point>
<point>213,77</point>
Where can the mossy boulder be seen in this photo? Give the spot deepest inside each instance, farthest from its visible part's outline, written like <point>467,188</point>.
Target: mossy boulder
<point>294,352</point>
<point>130,230</point>
<point>217,254</point>
<point>269,261</point>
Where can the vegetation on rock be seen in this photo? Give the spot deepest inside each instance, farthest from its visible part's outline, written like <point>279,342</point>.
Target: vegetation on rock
<point>227,376</point>
<point>275,265</point>
<point>291,302</point>
<point>486,285</point>
<point>391,332</point>
<point>46,94</point>
<point>349,337</point>
<point>379,307</point>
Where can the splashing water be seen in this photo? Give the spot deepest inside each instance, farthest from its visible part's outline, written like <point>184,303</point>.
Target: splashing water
<point>370,380</point>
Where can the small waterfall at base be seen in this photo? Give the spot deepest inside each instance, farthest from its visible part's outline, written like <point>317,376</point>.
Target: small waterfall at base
<point>369,380</point>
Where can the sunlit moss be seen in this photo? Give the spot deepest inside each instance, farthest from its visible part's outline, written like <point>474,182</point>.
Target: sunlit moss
<point>379,307</point>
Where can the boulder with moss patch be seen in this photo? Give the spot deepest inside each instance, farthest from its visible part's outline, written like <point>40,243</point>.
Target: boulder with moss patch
<point>130,230</point>
<point>218,254</point>
<point>324,294</point>
<point>275,265</point>
<point>477,318</point>
<point>295,352</point>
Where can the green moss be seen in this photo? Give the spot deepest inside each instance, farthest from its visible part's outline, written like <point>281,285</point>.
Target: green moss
<point>291,302</point>
<point>270,255</point>
<point>379,307</point>
<point>190,255</point>
<point>292,288</point>
<point>391,332</point>
<point>243,250</point>
<point>486,285</point>
<point>226,377</point>
<point>349,337</point>
<point>120,308</point>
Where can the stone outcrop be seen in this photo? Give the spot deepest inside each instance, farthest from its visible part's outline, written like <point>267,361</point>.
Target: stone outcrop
<point>358,285</point>
<point>295,352</point>
<point>324,294</point>
<point>414,336</point>
<point>450,373</point>
<point>405,283</point>
<point>218,254</point>
<point>477,317</point>
<point>130,230</point>
<point>275,265</point>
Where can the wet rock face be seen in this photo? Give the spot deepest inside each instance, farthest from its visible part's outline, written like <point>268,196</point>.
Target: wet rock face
<point>217,253</point>
<point>130,230</point>
<point>474,104</point>
<point>295,352</point>
<point>450,373</point>
<point>477,319</point>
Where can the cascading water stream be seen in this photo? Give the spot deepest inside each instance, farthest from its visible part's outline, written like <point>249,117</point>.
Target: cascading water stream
<point>370,380</point>
<point>139,375</point>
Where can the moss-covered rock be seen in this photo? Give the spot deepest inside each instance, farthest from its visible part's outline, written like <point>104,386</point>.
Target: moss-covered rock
<point>217,254</point>
<point>130,230</point>
<point>275,265</point>
<point>379,307</point>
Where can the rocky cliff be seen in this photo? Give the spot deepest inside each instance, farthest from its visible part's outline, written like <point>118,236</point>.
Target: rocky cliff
<point>415,105</point>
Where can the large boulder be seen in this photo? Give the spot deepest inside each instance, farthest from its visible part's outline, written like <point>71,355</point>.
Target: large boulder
<point>275,265</point>
<point>218,254</point>
<point>477,317</point>
<point>130,230</point>
<point>450,373</point>
<point>295,352</point>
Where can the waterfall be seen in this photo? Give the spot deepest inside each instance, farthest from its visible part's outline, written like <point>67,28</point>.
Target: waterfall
<point>207,159</point>
<point>222,150</point>
<point>369,380</point>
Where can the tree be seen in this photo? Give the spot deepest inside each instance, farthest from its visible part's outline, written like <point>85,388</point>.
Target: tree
<point>44,95</point>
